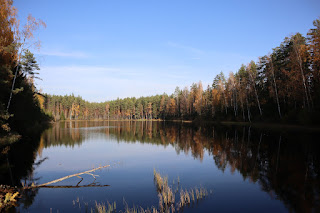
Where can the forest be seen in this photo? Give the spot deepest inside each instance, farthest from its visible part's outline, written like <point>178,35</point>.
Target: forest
<point>43,136</point>
<point>20,113</point>
<point>283,86</point>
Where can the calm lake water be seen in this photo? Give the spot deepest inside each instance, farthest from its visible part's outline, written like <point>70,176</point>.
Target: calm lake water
<point>247,169</point>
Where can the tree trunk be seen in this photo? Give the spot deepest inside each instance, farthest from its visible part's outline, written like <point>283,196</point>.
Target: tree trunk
<point>248,109</point>
<point>275,87</point>
<point>241,101</point>
<point>302,76</point>
<point>14,80</point>
<point>256,93</point>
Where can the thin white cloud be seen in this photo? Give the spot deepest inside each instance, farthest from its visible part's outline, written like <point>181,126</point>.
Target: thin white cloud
<point>185,47</point>
<point>65,54</point>
<point>98,84</point>
<point>92,70</point>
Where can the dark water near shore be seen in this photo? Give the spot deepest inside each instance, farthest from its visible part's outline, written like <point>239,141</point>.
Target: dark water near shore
<point>247,169</point>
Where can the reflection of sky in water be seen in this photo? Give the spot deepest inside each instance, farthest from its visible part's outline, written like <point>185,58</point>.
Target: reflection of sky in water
<point>131,176</point>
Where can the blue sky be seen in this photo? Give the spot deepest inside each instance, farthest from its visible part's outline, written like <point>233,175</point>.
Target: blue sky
<point>104,49</point>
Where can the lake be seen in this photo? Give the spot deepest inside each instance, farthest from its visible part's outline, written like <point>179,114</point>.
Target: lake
<point>242,168</point>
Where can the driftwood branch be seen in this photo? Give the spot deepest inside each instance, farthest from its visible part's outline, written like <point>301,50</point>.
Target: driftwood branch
<point>69,176</point>
<point>80,180</point>
<point>72,187</point>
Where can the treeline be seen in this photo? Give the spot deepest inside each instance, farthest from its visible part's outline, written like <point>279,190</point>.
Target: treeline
<point>19,106</point>
<point>281,86</point>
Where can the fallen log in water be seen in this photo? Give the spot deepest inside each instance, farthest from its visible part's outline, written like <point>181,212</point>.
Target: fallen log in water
<point>72,187</point>
<point>70,176</point>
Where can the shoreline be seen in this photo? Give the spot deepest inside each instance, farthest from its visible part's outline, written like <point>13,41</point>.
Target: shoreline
<point>260,125</point>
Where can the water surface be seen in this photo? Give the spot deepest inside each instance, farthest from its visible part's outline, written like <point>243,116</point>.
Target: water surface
<point>247,169</point>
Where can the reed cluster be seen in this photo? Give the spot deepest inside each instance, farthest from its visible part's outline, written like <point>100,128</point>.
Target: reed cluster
<point>112,208</point>
<point>103,208</point>
<point>192,196</point>
<point>141,210</point>
<point>165,192</point>
<point>167,198</point>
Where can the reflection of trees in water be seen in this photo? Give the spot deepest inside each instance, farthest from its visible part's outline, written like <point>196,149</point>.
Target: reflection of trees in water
<point>64,133</point>
<point>19,166</point>
<point>285,165</point>
<point>18,162</point>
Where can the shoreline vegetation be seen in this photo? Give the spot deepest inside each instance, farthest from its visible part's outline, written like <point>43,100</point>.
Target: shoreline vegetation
<point>280,90</point>
<point>20,114</point>
<point>21,118</point>
<point>259,125</point>
<point>171,198</point>
<point>281,87</point>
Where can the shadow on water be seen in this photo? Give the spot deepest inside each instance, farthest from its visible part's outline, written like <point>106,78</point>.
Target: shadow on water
<point>286,165</point>
<point>17,164</point>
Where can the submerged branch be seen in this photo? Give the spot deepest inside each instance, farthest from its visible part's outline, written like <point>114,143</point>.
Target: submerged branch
<point>71,187</point>
<point>69,176</point>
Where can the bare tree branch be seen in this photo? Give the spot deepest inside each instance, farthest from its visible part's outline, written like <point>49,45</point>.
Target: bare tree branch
<point>69,176</point>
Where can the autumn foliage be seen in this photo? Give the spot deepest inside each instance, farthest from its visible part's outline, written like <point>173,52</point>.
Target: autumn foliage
<point>20,101</point>
<point>281,86</point>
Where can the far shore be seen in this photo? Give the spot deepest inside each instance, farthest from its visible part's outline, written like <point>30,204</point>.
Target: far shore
<point>260,125</point>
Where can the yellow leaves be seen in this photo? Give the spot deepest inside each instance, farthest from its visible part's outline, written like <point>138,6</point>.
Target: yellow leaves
<point>9,199</point>
<point>149,108</point>
<point>7,22</point>
<point>86,112</point>
<point>5,127</point>
<point>172,106</point>
<point>107,108</point>
<point>75,109</point>
<point>5,150</point>
<point>17,90</point>
<point>28,30</point>
<point>10,30</point>
<point>215,97</point>
<point>198,93</point>
<point>304,49</point>
<point>40,99</point>
<point>127,113</point>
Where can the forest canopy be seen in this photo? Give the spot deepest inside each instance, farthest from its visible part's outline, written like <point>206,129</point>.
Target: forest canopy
<point>19,98</point>
<point>281,86</point>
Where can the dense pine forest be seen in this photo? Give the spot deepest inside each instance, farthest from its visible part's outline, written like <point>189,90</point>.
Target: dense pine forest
<point>20,113</point>
<point>283,86</point>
